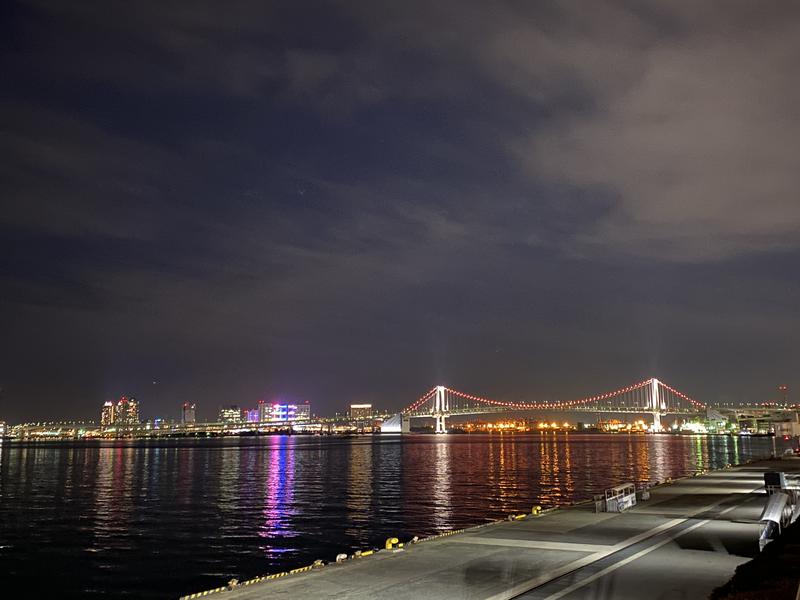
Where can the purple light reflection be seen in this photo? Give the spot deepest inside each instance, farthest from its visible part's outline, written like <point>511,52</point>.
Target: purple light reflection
<point>279,499</point>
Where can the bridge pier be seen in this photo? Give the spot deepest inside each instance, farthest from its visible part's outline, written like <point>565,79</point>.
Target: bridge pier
<point>655,403</point>
<point>441,406</point>
<point>441,426</point>
<point>657,421</point>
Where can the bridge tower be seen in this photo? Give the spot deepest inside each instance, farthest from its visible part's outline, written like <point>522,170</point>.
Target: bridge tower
<point>440,408</point>
<point>655,404</point>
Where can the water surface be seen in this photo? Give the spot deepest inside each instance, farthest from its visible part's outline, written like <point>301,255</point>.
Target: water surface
<point>164,518</point>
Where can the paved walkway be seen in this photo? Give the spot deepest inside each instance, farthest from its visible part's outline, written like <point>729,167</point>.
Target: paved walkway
<point>682,543</point>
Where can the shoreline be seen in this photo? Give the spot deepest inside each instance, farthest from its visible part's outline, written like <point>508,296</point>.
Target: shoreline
<point>203,436</point>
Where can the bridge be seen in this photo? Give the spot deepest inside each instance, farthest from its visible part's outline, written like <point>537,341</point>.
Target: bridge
<point>649,396</point>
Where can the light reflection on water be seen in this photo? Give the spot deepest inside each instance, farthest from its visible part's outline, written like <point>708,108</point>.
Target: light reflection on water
<point>279,510</point>
<point>163,519</point>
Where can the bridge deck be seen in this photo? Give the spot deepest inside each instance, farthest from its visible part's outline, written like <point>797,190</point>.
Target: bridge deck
<point>686,540</point>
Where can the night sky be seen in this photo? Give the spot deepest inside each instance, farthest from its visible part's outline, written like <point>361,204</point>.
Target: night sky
<point>353,202</point>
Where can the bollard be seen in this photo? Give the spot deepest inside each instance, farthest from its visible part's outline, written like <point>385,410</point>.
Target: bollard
<point>317,564</point>
<point>340,558</point>
<point>391,543</point>
<point>233,583</point>
<point>536,510</point>
<point>414,540</point>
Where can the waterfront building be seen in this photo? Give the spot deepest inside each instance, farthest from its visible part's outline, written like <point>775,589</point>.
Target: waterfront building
<point>107,414</point>
<point>302,411</point>
<point>123,413</point>
<point>188,413</point>
<point>127,412</point>
<point>277,412</point>
<point>263,411</point>
<point>230,414</point>
<point>250,415</point>
<point>360,412</point>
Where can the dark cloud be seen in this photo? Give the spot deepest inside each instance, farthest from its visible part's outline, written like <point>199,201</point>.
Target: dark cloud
<point>354,201</point>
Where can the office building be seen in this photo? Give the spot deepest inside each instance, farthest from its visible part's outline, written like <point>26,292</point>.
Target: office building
<point>361,412</point>
<point>263,411</point>
<point>187,413</point>
<point>276,412</point>
<point>302,411</point>
<point>230,414</point>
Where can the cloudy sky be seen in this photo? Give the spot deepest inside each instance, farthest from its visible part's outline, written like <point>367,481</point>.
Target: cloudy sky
<point>355,201</point>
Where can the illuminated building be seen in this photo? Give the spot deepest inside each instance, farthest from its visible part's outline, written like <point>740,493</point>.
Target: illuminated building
<point>123,413</point>
<point>515,426</point>
<point>187,413</point>
<point>617,426</point>
<point>2,429</point>
<point>230,414</point>
<point>276,412</point>
<point>107,414</point>
<point>302,412</point>
<point>360,412</point>
<point>127,412</point>
<point>263,411</point>
<point>250,415</point>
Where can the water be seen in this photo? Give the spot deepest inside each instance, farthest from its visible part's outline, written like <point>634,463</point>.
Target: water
<point>160,519</point>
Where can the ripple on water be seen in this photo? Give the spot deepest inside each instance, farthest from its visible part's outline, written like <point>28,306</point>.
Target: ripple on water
<point>157,520</point>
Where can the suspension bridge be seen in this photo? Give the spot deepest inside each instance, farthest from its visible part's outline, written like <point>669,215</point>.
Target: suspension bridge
<point>649,396</point>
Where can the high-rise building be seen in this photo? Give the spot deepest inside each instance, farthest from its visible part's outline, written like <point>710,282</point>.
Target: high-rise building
<point>107,414</point>
<point>263,411</point>
<point>133,411</point>
<point>360,412</point>
<point>127,412</point>
<point>123,413</point>
<point>187,413</point>
<point>230,414</point>
<point>250,415</point>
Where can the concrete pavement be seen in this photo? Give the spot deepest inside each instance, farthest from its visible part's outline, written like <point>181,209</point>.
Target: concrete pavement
<point>682,543</point>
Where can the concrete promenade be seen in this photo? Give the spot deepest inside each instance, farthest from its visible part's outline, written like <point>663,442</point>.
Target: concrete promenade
<point>683,542</point>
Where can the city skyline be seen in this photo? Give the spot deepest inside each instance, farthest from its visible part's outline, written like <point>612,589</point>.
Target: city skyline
<point>260,411</point>
<point>351,202</point>
<point>780,394</point>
